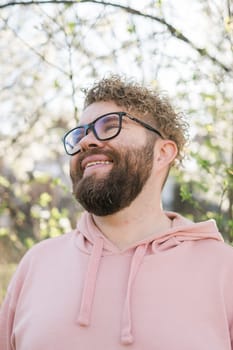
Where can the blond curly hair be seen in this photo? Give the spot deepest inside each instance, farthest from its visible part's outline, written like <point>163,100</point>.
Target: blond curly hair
<point>149,104</point>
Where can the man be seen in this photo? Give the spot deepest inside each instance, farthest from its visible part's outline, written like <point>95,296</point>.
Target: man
<point>130,274</point>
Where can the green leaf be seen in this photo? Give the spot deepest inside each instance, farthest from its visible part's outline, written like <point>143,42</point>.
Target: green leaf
<point>4,231</point>
<point>131,28</point>
<point>56,84</point>
<point>185,193</point>
<point>45,199</point>
<point>4,182</point>
<point>29,242</point>
<point>71,27</point>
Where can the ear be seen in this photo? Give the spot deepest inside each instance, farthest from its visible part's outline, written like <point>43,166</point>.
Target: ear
<point>165,153</point>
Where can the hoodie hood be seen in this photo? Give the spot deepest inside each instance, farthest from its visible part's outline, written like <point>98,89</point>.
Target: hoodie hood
<point>92,242</point>
<point>182,229</point>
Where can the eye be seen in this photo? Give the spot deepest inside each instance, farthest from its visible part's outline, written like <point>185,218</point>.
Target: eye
<point>110,126</point>
<point>108,123</point>
<point>76,136</point>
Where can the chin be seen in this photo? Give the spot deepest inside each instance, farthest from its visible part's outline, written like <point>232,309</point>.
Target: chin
<point>98,171</point>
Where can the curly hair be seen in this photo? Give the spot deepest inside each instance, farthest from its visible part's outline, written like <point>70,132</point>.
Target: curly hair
<point>151,105</point>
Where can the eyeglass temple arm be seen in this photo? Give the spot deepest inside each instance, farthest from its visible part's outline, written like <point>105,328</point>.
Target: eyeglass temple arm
<point>145,125</point>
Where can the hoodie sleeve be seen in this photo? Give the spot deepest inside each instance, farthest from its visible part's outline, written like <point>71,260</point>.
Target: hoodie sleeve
<point>231,321</point>
<point>228,291</point>
<point>6,324</point>
<point>7,311</point>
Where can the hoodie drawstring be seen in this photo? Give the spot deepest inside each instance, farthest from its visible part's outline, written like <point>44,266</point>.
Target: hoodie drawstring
<point>126,331</point>
<point>90,283</point>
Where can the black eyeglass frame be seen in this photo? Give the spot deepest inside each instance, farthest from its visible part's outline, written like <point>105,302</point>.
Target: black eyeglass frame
<point>91,126</point>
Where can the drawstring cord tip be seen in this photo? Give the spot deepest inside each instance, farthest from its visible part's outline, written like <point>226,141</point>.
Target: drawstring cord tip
<point>83,321</point>
<point>126,339</point>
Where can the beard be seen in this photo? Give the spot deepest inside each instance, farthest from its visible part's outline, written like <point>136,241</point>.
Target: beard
<point>115,190</point>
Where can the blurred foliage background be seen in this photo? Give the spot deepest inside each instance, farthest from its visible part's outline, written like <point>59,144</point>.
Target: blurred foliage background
<point>51,50</point>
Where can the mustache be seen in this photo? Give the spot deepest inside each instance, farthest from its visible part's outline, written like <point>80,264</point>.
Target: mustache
<point>95,151</point>
<point>113,155</point>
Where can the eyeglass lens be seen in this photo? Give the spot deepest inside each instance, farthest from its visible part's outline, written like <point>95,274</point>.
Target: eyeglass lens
<point>105,127</point>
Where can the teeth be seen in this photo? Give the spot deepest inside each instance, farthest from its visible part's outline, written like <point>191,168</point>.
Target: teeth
<point>97,162</point>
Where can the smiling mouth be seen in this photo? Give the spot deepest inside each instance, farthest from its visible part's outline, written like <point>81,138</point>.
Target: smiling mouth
<point>98,162</point>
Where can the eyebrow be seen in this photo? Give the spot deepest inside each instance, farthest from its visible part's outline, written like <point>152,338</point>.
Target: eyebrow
<point>100,116</point>
<point>82,125</point>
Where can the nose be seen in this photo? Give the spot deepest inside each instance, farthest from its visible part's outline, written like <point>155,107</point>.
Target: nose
<point>89,141</point>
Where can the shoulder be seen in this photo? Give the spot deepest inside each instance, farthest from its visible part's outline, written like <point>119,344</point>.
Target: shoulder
<point>225,253</point>
<point>52,244</point>
<point>218,249</point>
<point>221,248</point>
<point>218,255</point>
<point>50,250</point>
<point>42,253</point>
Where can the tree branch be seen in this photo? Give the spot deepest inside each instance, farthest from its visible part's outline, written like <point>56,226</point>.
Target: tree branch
<point>229,8</point>
<point>174,31</point>
<point>38,2</point>
<point>37,52</point>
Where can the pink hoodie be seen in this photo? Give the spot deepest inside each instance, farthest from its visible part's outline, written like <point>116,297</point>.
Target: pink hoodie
<point>79,292</point>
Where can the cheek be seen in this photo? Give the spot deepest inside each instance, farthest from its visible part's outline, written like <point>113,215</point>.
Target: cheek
<point>74,164</point>
<point>131,138</point>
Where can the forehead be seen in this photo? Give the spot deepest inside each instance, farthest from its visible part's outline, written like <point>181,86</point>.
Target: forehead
<point>97,109</point>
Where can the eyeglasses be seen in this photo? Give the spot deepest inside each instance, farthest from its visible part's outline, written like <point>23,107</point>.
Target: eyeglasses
<point>105,127</point>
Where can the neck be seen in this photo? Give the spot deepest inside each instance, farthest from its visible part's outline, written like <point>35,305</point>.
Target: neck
<point>134,223</point>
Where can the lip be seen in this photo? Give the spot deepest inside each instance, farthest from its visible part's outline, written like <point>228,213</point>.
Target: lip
<point>93,159</point>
